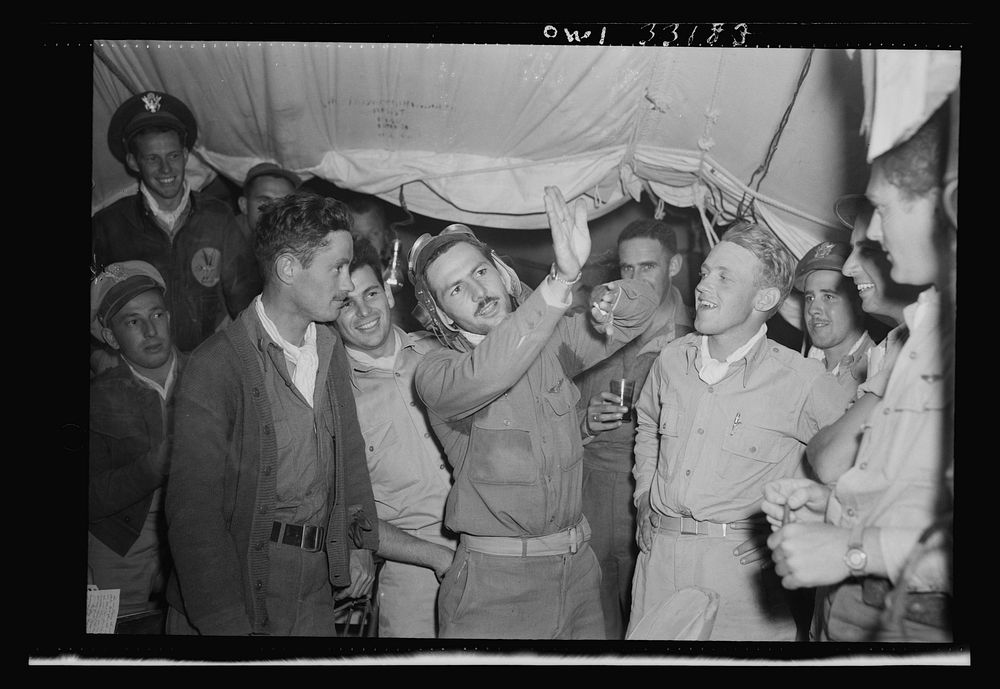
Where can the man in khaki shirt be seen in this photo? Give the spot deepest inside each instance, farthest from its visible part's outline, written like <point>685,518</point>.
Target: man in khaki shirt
<point>833,316</point>
<point>500,397</point>
<point>723,411</point>
<point>877,541</point>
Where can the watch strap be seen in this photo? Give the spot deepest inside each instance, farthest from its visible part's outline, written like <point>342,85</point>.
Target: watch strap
<point>855,551</point>
<point>554,275</point>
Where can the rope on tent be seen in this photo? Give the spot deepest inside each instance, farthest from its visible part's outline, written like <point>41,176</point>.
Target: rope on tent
<point>660,209</point>
<point>699,190</point>
<point>705,144</point>
<point>764,166</point>
<point>409,215</point>
<point>746,205</point>
<point>113,68</point>
<point>598,201</point>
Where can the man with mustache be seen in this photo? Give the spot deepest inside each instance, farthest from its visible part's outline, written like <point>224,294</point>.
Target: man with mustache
<point>501,399</point>
<point>832,314</point>
<point>192,239</point>
<point>270,508</point>
<point>723,411</point>
<point>130,411</point>
<point>878,539</point>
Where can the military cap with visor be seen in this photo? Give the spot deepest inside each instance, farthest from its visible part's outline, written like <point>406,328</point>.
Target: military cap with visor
<point>823,256</point>
<point>150,109</point>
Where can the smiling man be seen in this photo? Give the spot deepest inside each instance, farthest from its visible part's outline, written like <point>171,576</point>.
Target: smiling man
<point>869,267</point>
<point>877,539</point>
<point>500,398</point>
<point>410,478</point>
<point>190,238</point>
<point>832,450</point>
<point>723,411</point>
<point>130,410</point>
<point>832,313</point>
<point>270,508</point>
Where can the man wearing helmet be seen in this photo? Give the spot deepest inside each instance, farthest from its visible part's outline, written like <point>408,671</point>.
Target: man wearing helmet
<point>500,397</point>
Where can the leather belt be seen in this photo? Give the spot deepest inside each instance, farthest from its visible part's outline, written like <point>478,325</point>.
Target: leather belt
<point>695,527</point>
<point>932,608</point>
<point>562,542</point>
<point>307,537</point>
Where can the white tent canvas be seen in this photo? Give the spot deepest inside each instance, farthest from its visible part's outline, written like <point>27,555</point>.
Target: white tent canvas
<point>472,133</point>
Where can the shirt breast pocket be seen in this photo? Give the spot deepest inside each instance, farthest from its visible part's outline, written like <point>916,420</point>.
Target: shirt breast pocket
<point>500,450</point>
<point>564,425</point>
<point>751,451</point>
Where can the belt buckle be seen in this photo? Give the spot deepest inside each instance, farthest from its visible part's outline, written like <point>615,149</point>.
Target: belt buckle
<point>311,538</point>
<point>572,540</point>
<point>685,530</point>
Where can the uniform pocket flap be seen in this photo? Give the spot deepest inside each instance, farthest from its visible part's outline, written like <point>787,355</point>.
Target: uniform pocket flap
<point>756,443</point>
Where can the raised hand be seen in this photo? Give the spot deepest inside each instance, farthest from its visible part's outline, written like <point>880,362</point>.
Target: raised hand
<point>570,233</point>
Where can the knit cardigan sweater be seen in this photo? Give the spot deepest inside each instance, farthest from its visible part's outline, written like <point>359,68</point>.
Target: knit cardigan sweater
<point>223,479</point>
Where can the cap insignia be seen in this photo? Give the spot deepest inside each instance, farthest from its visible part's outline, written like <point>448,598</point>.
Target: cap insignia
<point>151,101</point>
<point>113,273</point>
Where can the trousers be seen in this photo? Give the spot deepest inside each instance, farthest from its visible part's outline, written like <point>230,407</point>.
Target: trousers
<point>521,597</point>
<point>752,604</point>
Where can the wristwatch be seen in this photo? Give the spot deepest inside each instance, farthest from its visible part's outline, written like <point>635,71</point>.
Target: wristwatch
<point>554,275</point>
<point>856,558</point>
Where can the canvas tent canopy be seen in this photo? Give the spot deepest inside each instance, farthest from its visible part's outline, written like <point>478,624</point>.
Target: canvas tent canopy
<point>473,133</point>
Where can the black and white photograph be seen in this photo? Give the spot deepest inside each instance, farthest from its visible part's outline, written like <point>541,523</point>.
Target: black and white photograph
<point>520,343</point>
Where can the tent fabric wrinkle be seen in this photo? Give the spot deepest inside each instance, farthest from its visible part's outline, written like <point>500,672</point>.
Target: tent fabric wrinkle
<point>475,132</point>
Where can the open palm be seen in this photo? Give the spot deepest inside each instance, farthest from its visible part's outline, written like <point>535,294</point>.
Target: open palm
<point>570,233</point>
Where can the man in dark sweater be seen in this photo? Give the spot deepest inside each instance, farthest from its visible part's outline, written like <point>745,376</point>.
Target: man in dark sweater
<point>269,505</point>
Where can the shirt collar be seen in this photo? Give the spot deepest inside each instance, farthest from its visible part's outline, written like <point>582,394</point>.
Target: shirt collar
<point>169,218</point>
<point>162,390</point>
<point>363,362</point>
<point>260,338</point>
<point>291,351</point>
<point>914,314</point>
<point>820,355</point>
<point>754,353</point>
